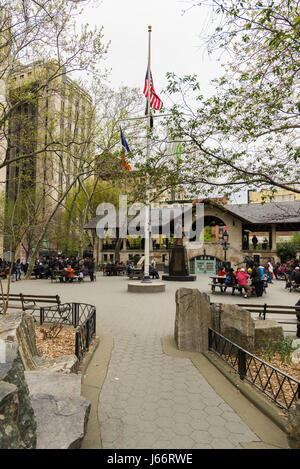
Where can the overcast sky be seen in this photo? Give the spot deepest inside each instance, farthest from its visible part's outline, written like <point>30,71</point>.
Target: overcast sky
<point>176,45</point>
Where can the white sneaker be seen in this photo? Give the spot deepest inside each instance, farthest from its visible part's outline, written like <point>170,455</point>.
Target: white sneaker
<point>245,296</point>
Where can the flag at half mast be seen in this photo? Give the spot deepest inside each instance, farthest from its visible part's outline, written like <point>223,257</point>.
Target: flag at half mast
<point>155,101</point>
<point>125,149</point>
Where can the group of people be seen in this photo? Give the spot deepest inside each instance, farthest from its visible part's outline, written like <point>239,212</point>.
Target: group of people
<point>45,267</point>
<point>289,271</point>
<point>252,277</point>
<point>68,267</point>
<point>16,268</point>
<point>247,281</point>
<point>153,272</point>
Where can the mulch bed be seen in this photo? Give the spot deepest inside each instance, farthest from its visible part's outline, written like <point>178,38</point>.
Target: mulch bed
<point>276,362</point>
<point>63,344</point>
<point>286,391</point>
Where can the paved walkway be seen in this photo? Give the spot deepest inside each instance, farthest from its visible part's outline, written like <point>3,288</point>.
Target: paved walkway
<point>150,399</point>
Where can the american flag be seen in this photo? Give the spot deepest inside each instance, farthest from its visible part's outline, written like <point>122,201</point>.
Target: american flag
<point>155,101</point>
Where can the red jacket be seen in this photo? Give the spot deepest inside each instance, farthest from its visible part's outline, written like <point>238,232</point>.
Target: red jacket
<point>242,278</point>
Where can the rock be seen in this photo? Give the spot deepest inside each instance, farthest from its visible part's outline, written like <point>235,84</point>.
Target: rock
<point>63,364</point>
<point>42,406</point>
<point>237,325</point>
<point>293,427</point>
<point>295,359</point>
<point>216,311</point>
<point>267,331</point>
<point>10,436</point>
<point>61,423</point>
<point>22,433</point>
<point>61,413</point>
<point>296,343</point>
<point>192,320</point>
<point>53,383</point>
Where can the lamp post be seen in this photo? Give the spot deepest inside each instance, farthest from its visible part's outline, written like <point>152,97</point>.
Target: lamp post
<point>224,242</point>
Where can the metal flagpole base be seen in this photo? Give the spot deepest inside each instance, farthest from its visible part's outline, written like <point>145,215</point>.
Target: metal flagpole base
<point>146,279</point>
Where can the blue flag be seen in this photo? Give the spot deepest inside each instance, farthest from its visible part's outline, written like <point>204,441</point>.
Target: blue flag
<point>125,148</point>
<point>124,142</point>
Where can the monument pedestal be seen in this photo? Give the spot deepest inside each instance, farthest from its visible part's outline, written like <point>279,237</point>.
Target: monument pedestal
<point>179,270</point>
<point>140,287</point>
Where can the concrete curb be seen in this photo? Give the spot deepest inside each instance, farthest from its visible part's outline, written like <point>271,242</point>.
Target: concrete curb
<point>87,360</point>
<point>93,377</point>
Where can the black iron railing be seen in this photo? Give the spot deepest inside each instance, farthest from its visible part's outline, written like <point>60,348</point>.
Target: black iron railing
<point>79,315</point>
<point>84,334</point>
<point>278,386</point>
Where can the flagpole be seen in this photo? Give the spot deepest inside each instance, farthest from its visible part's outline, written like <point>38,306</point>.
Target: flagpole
<point>147,208</point>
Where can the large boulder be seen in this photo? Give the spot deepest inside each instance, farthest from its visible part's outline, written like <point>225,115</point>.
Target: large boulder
<point>293,427</point>
<point>192,320</point>
<point>40,400</point>
<point>61,412</point>
<point>266,331</point>
<point>237,325</point>
<point>17,421</point>
<point>295,358</point>
<point>10,431</point>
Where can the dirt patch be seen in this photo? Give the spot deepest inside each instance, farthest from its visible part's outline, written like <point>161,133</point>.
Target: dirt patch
<point>278,387</point>
<point>276,362</point>
<point>62,344</point>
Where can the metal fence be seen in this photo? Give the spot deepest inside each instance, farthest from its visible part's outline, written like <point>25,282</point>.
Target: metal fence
<point>79,315</point>
<point>278,386</point>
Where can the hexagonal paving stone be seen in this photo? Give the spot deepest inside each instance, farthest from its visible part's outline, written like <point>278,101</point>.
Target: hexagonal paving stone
<point>222,443</point>
<point>218,432</point>
<point>182,417</point>
<point>231,416</point>
<point>182,429</point>
<point>164,422</point>
<point>200,424</point>
<point>164,411</point>
<point>198,414</point>
<point>182,442</point>
<point>201,436</point>
<point>216,420</point>
<point>236,427</point>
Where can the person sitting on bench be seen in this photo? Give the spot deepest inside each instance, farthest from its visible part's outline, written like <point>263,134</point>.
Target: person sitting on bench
<point>230,281</point>
<point>153,272</point>
<point>242,280</point>
<point>295,276</point>
<point>69,274</point>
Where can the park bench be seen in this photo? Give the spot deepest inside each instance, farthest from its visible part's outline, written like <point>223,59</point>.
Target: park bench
<point>294,287</point>
<point>29,303</point>
<point>114,270</point>
<point>265,309</point>
<point>59,275</point>
<point>223,287</point>
<point>135,274</point>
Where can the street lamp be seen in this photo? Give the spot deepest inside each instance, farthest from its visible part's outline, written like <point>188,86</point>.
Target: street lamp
<point>224,242</point>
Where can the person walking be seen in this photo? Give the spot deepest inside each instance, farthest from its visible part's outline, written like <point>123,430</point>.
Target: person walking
<point>256,280</point>
<point>298,319</point>
<point>91,269</point>
<point>254,242</point>
<point>18,270</point>
<point>270,271</point>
